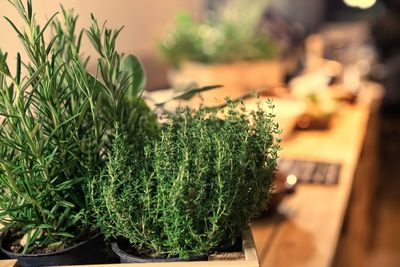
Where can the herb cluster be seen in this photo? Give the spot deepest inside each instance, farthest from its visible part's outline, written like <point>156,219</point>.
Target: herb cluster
<point>228,34</point>
<point>193,187</point>
<point>56,120</point>
<point>80,150</point>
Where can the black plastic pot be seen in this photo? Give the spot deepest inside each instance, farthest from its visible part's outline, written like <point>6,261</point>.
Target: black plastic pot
<point>88,252</point>
<point>2,256</point>
<point>128,258</point>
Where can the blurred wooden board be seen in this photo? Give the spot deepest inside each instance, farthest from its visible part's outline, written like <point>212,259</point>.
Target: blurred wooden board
<point>182,264</point>
<point>237,76</point>
<point>306,231</point>
<point>8,263</point>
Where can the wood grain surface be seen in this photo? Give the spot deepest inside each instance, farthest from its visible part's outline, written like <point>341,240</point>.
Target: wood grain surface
<point>307,229</point>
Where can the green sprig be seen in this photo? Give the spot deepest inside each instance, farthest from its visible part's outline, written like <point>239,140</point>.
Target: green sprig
<point>192,188</point>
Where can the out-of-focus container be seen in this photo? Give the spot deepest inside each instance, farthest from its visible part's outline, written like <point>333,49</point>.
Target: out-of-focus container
<point>244,75</point>
<point>287,112</point>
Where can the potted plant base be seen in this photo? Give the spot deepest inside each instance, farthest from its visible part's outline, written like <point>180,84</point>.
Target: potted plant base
<point>246,258</point>
<point>120,249</point>
<point>90,251</point>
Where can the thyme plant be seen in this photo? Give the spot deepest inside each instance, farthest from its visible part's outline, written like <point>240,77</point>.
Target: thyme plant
<point>229,33</point>
<point>56,120</point>
<point>191,188</point>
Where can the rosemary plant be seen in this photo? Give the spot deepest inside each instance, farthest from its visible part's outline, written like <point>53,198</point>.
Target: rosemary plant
<point>193,187</point>
<point>228,34</point>
<point>55,123</point>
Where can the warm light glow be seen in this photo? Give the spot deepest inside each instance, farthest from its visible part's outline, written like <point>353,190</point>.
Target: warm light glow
<point>363,4</point>
<point>291,179</point>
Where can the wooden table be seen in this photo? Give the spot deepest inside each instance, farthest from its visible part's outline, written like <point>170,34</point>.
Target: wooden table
<point>307,229</point>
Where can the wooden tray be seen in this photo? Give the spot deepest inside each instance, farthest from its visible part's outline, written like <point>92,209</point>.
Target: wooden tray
<point>8,263</point>
<point>247,258</point>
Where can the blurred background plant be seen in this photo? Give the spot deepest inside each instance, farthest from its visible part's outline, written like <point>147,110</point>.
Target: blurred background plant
<point>229,33</point>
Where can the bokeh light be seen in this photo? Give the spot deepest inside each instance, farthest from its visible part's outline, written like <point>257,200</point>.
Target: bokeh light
<point>363,4</point>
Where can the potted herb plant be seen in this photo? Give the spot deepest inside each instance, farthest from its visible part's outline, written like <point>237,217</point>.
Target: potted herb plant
<point>56,120</point>
<point>226,48</point>
<point>188,190</point>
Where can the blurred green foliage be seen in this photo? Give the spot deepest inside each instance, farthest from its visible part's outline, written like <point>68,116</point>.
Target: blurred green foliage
<point>230,33</point>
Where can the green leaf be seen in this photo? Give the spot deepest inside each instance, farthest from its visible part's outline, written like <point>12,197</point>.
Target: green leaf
<point>38,37</point>
<point>133,71</point>
<point>14,27</point>
<point>63,234</point>
<point>45,226</point>
<point>95,84</point>
<point>3,64</point>
<point>186,95</point>
<point>33,77</point>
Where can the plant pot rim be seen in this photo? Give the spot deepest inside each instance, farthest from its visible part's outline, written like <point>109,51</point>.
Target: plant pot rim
<point>7,252</point>
<point>124,255</point>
